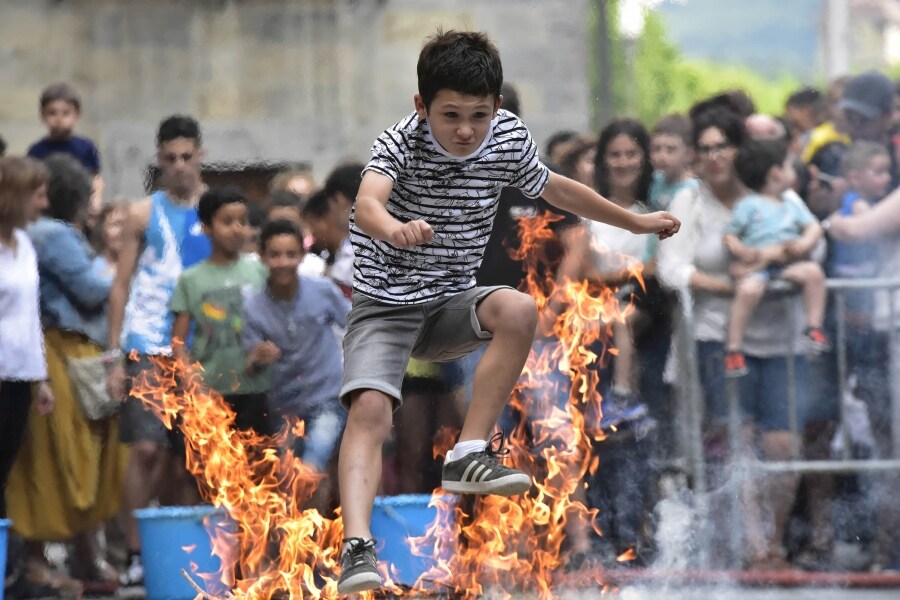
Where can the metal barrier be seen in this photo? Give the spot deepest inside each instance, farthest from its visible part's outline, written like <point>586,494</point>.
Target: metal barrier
<point>691,405</point>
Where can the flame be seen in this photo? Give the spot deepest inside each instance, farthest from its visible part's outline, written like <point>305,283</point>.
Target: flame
<point>278,548</point>
<point>189,548</point>
<point>626,556</point>
<point>498,544</point>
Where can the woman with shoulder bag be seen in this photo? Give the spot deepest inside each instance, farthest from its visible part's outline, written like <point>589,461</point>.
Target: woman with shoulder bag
<point>68,478</point>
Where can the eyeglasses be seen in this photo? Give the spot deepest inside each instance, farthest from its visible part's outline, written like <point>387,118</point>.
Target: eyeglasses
<point>709,151</point>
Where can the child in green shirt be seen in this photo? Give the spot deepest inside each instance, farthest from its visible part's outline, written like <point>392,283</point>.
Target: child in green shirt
<point>208,303</point>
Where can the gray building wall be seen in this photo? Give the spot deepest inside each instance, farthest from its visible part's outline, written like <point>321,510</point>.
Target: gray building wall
<point>310,81</point>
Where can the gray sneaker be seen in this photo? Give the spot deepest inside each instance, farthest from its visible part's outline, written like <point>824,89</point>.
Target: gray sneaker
<point>359,570</point>
<point>482,473</point>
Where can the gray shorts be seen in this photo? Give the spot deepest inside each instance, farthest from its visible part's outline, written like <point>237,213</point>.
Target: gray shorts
<point>136,423</point>
<point>381,338</point>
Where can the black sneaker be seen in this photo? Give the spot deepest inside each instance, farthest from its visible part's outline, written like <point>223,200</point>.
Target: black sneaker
<point>482,473</point>
<point>359,570</point>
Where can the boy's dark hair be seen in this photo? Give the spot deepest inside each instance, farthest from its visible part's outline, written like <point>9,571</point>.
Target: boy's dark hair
<point>461,61</point>
<point>61,91</point>
<point>674,124</point>
<point>282,198</point>
<point>68,189</point>
<point>2,146</point>
<point>859,154</point>
<point>178,126</point>
<point>637,132</point>
<point>318,205</point>
<point>806,97</point>
<point>279,227</point>
<point>755,158</point>
<point>726,121</point>
<point>345,179</point>
<point>215,198</point>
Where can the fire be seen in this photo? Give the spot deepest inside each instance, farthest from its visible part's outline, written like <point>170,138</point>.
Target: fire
<point>277,548</point>
<point>499,544</point>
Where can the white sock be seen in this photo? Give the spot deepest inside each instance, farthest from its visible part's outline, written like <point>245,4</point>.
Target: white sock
<point>462,449</point>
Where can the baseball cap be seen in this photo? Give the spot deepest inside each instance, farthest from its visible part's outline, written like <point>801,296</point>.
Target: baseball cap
<point>870,94</point>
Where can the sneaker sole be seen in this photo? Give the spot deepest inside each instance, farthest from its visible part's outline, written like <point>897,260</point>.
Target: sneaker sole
<point>359,583</point>
<point>503,486</point>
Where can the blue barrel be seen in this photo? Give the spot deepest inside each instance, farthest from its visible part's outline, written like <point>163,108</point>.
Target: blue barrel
<point>172,537</point>
<point>395,518</point>
<point>4,542</point>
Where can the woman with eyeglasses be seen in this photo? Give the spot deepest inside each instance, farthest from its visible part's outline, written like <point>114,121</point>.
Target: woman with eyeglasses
<point>697,265</point>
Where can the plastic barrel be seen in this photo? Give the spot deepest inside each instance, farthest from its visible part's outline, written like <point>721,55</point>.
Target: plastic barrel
<point>4,542</point>
<point>395,518</point>
<point>173,537</point>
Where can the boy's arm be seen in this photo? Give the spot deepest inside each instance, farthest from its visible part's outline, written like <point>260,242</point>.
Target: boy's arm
<point>803,246</point>
<point>132,239</point>
<point>577,198</point>
<point>181,328</point>
<point>372,217</point>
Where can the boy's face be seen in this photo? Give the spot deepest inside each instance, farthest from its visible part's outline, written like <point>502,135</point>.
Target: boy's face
<point>228,229</point>
<point>669,154</point>
<point>180,163</point>
<point>326,231</point>
<point>37,204</point>
<point>282,255</point>
<point>783,177</point>
<point>873,181</point>
<point>459,122</point>
<point>60,118</point>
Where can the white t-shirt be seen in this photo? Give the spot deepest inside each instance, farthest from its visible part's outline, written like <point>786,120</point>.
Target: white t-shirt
<point>456,196</point>
<point>21,338</point>
<point>616,249</point>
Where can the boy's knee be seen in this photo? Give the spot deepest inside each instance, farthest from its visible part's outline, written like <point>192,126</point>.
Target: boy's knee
<point>372,408</point>
<point>518,310</point>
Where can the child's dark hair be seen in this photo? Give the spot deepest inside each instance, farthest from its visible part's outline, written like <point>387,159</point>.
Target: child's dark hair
<point>318,205</point>
<point>637,132</point>
<point>726,121</point>
<point>755,158</point>
<point>859,154</point>
<point>806,96</point>
<point>284,198</point>
<point>345,179</point>
<point>461,61</point>
<point>675,124</point>
<point>61,91</point>
<point>215,198</point>
<point>279,227</point>
<point>68,189</point>
<point>178,126</point>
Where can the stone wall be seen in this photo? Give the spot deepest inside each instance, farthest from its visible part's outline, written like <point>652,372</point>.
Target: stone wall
<point>311,81</point>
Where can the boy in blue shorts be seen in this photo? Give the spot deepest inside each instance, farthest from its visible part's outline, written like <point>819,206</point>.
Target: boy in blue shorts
<point>421,221</point>
<point>763,218</point>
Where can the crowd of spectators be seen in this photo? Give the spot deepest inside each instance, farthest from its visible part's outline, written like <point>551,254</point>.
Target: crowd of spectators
<point>260,295</point>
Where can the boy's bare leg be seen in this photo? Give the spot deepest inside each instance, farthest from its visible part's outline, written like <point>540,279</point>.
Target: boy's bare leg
<point>511,317</point>
<point>815,295</point>
<point>359,466</point>
<point>747,294</point>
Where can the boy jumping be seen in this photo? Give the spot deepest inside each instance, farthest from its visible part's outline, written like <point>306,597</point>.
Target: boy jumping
<point>419,227</point>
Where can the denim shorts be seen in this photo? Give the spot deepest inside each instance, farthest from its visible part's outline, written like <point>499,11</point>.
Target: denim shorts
<point>763,391</point>
<point>381,338</point>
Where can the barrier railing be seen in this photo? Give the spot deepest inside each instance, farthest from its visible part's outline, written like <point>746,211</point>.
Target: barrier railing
<point>742,464</point>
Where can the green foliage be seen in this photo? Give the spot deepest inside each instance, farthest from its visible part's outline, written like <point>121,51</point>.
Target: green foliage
<point>662,81</point>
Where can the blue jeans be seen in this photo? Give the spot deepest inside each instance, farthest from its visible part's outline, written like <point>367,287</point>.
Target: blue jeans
<point>764,390</point>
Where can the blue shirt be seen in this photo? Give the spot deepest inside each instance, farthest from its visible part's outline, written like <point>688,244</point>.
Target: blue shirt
<point>853,260</point>
<point>308,376</point>
<point>73,293</point>
<point>662,192</point>
<point>759,221</point>
<point>81,148</point>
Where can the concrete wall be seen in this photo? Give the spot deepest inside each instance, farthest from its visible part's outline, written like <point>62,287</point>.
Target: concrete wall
<point>309,81</point>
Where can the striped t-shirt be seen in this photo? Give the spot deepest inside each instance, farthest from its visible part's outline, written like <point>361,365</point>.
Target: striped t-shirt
<point>456,196</point>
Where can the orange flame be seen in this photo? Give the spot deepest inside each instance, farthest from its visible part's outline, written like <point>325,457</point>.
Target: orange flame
<point>626,556</point>
<point>279,549</point>
<point>497,544</point>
